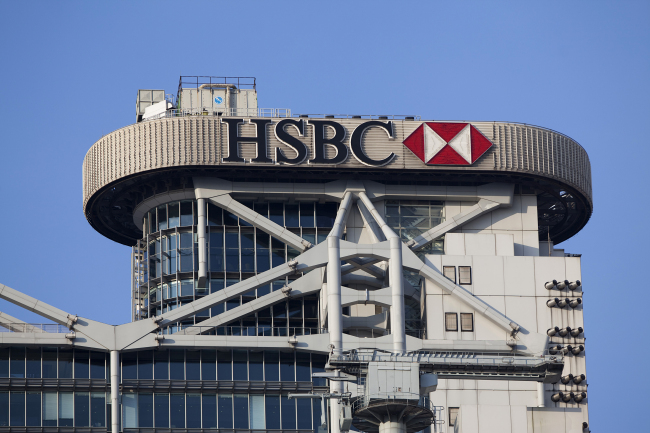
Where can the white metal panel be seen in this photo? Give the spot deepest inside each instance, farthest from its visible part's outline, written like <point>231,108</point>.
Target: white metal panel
<point>493,418</point>
<point>519,276</point>
<point>493,397</point>
<point>488,277</point>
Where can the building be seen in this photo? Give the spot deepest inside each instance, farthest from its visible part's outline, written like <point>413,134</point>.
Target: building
<point>287,267</point>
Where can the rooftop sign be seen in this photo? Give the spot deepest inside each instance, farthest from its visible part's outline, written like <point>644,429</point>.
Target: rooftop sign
<point>433,143</point>
<point>447,143</point>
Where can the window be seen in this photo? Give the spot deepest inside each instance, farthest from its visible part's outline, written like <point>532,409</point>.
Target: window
<point>240,410</point>
<point>177,410</point>
<point>464,275</point>
<point>66,409</point>
<point>411,218</point>
<point>450,273</point>
<point>161,410</point>
<point>257,421</point>
<point>288,411</point>
<point>209,365</point>
<point>193,410</point>
<point>97,409</point>
<point>209,402</point>
<point>272,409</point>
<point>466,322</point>
<point>49,409</point>
<point>224,411</point>
<point>451,322</point>
<point>33,409</point>
<point>17,408</point>
<point>82,409</point>
<point>453,414</point>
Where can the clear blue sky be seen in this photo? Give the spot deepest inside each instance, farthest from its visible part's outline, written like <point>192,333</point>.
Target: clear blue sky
<point>70,71</point>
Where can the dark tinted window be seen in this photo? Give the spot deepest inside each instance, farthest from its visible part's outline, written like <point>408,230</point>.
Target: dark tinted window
<point>272,404</point>
<point>177,410</point>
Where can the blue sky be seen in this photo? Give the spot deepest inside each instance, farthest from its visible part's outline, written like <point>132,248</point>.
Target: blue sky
<point>70,72</point>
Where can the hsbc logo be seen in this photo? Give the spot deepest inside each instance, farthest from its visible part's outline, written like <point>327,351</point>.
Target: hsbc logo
<point>434,143</point>
<point>447,143</point>
<point>299,151</point>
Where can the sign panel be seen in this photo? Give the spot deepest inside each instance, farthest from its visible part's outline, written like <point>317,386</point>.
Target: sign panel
<point>332,143</point>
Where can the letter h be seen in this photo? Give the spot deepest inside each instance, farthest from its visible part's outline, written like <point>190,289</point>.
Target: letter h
<point>234,139</point>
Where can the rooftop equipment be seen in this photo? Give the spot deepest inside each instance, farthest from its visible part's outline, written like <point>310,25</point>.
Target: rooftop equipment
<point>146,98</point>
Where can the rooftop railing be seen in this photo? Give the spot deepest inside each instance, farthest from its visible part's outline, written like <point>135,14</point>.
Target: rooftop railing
<point>248,331</point>
<point>51,328</point>
<point>363,116</point>
<point>225,112</point>
<point>272,112</point>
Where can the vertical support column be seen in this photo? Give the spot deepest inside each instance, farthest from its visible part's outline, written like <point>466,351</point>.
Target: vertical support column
<point>335,407</point>
<point>135,300</point>
<point>397,323</point>
<point>396,280</point>
<point>115,391</point>
<point>334,311</point>
<point>203,262</point>
<point>540,394</point>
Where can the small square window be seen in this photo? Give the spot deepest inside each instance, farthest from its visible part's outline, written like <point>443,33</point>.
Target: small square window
<point>453,414</point>
<point>450,273</point>
<point>451,322</point>
<point>466,322</point>
<point>464,275</point>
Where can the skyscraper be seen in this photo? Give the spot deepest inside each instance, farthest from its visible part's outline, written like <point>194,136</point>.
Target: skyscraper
<point>305,272</point>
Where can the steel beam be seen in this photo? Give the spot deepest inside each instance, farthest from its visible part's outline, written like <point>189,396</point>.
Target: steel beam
<point>312,259</point>
<point>306,285</point>
<point>35,306</point>
<point>17,325</point>
<point>225,201</point>
<point>397,321</point>
<point>482,207</point>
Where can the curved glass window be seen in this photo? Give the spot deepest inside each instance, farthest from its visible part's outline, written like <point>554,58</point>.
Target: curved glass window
<point>235,250</point>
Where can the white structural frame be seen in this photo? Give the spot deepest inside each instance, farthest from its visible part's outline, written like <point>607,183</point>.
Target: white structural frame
<point>361,259</point>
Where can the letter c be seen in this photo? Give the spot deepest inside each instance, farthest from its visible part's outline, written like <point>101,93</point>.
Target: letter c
<point>357,149</point>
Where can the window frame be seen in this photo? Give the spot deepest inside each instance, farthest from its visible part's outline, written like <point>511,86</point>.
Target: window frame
<point>471,315</point>
<point>444,273</point>
<point>457,411</point>
<point>446,323</point>
<point>470,276</point>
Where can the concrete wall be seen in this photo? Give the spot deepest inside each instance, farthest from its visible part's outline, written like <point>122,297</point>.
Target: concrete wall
<point>518,418</point>
<point>514,285</point>
<point>520,221</point>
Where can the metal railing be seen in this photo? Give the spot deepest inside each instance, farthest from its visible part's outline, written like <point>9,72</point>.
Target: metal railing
<point>364,116</point>
<point>51,328</point>
<point>189,81</point>
<point>249,331</point>
<point>446,357</point>
<point>408,399</point>
<point>378,332</point>
<point>225,112</point>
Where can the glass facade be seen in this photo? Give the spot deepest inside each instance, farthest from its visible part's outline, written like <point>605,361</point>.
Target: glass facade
<point>52,363</point>
<point>235,386</point>
<point>54,408</point>
<point>411,218</point>
<point>159,410</point>
<point>235,251</point>
<point>223,364</point>
<point>211,410</point>
<point>232,392</point>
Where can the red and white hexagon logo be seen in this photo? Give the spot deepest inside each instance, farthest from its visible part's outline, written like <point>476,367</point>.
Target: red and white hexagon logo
<point>447,143</point>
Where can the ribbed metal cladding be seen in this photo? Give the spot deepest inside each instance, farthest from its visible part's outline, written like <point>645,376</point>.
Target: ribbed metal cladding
<point>197,141</point>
